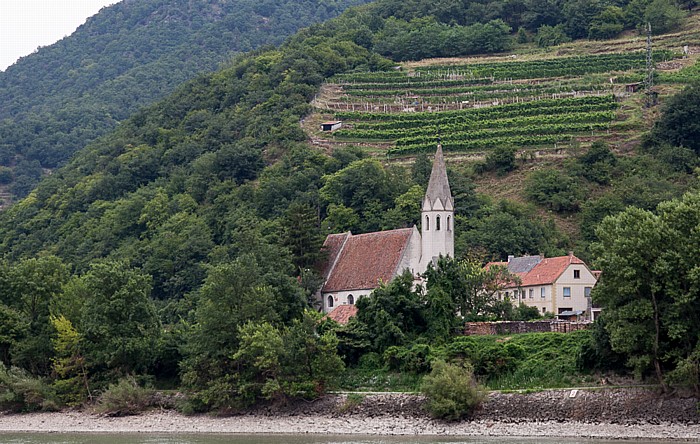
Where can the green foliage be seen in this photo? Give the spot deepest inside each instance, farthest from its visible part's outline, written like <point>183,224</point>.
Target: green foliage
<point>21,392</point>
<point>127,56</point>
<point>553,189</point>
<point>597,164</point>
<point>551,36</point>
<point>393,313</point>
<point>118,320</point>
<point>649,295</point>
<point>500,160</point>
<point>414,358</point>
<point>608,24</point>
<point>70,374</point>
<point>452,391</point>
<point>679,124</point>
<point>663,16</point>
<point>124,398</point>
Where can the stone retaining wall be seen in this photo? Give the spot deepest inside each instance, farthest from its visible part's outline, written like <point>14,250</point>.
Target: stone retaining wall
<point>515,327</point>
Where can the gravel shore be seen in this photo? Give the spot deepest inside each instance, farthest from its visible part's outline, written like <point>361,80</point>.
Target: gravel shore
<point>402,415</point>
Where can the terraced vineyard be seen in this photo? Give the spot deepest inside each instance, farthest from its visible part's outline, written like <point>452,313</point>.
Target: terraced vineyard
<point>479,106</point>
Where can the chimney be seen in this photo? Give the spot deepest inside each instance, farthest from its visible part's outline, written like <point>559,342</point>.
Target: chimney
<point>510,258</point>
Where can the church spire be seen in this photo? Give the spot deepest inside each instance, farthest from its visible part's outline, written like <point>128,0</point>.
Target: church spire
<point>438,186</point>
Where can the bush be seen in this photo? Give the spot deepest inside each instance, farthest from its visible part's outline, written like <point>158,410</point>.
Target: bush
<point>555,190</point>
<point>501,160</point>
<point>452,391</point>
<point>551,36</point>
<point>408,359</point>
<point>21,392</point>
<point>125,397</point>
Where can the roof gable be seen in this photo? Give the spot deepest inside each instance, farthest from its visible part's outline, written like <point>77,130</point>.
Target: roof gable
<point>366,260</point>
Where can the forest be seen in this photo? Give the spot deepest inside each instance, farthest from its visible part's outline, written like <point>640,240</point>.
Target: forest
<point>179,250</point>
<point>131,54</point>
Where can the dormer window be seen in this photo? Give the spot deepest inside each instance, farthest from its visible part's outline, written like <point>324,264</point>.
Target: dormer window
<point>437,223</point>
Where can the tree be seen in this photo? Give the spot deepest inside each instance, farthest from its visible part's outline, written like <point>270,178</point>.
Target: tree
<point>33,283</point>
<point>663,16</point>
<point>119,323</point>
<point>393,313</point>
<point>302,234</point>
<point>679,124</point>
<point>551,36</point>
<point>472,288</point>
<point>649,287</point>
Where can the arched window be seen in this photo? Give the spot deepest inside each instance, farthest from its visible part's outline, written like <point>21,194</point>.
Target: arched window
<point>449,227</point>
<point>427,223</point>
<point>437,223</point>
<point>330,301</point>
<point>351,299</point>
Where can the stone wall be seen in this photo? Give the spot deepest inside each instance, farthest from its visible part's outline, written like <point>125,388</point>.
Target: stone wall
<point>515,327</point>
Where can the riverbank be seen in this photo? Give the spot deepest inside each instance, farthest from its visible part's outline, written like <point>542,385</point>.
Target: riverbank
<point>609,414</point>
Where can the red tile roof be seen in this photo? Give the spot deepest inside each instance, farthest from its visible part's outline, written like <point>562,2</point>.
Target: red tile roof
<point>342,314</point>
<point>365,260</point>
<point>330,250</point>
<point>549,270</point>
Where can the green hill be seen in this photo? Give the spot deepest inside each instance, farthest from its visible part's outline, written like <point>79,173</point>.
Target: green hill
<point>205,211</point>
<point>57,100</point>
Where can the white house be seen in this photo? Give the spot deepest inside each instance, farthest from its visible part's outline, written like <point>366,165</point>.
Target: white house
<point>357,264</point>
<point>560,285</point>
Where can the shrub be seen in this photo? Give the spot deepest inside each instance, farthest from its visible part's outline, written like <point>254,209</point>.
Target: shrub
<point>452,391</point>
<point>21,392</point>
<point>408,359</point>
<point>553,189</point>
<point>500,160</point>
<point>125,397</point>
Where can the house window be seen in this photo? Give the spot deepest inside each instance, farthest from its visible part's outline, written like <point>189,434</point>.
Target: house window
<point>542,291</point>
<point>532,293</point>
<point>330,301</point>
<point>587,291</point>
<point>427,223</point>
<point>544,309</point>
<point>449,225</point>
<point>437,223</point>
<point>351,299</point>
<point>577,274</point>
<point>567,292</point>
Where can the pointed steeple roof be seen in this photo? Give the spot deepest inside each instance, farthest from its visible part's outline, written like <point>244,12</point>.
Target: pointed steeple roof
<point>438,186</point>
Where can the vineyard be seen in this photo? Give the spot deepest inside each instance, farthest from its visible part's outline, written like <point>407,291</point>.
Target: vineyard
<point>478,106</point>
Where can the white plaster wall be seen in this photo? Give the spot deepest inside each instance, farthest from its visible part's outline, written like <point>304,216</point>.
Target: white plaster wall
<point>578,300</point>
<point>436,242</point>
<point>341,298</point>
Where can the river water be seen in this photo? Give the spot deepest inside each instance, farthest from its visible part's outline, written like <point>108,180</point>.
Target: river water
<point>35,438</point>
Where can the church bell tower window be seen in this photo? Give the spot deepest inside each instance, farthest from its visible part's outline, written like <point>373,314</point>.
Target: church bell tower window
<point>437,223</point>
<point>427,223</point>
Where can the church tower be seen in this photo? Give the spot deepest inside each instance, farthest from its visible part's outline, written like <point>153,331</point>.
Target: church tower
<point>437,215</point>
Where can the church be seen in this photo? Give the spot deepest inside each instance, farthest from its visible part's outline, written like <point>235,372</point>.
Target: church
<point>357,264</point>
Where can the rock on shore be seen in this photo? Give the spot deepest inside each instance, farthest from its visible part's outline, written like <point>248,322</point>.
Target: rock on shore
<point>618,414</point>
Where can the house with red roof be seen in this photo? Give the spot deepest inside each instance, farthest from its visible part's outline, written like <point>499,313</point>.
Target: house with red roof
<point>356,264</point>
<point>560,285</point>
